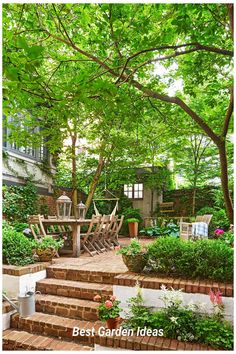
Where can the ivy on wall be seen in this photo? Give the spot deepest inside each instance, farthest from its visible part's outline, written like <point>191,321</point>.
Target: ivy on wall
<point>20,201</point>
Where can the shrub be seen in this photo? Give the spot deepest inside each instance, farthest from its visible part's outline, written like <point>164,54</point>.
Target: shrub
<point>203,259</point>
<point>16,248</point>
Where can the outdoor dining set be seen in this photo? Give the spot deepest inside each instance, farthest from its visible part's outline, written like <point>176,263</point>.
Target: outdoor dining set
<point>101,233</point>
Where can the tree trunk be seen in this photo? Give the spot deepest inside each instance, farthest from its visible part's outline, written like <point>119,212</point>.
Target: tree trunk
<point>95,181</point>
<point>194,201</point>
<point>74,181</point>
<point>224,181</point>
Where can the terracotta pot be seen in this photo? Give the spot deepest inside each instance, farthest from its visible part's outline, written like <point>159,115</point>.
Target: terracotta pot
<point>46,255</point>
<point>135,263</point>
<point>113,323</point>
<point>133,229</point>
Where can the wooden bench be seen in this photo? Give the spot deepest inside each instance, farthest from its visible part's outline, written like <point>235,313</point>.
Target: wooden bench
<point>167,207</point>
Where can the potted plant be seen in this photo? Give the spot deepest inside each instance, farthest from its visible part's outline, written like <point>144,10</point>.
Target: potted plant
<point>109,311</point>
<point>46,248</point>
<point>133,226</point>
<point>134,257</point>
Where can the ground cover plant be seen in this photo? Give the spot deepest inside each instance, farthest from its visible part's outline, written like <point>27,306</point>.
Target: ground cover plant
<point>155,231</point>
<point>188,323</point>
<point>203,259</point>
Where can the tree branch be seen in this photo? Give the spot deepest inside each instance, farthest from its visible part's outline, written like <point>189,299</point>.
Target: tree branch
<point>230,8</point>
<point>38,95</point>
<point>228,113</point>
<point>198,46</point>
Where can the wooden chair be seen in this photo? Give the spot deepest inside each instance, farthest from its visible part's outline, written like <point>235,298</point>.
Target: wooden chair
<point>115,231</point>
<point>186,228</point>
<point>87,238</point>
<point>37,228</point>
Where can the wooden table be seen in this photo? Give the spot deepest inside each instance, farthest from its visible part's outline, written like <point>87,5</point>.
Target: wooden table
<point>75,225</point>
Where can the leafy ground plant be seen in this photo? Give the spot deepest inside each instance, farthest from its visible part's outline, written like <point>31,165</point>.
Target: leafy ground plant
<point>187,323</point>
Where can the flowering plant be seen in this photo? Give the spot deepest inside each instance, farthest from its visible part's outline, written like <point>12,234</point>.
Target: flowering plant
<point>216,300</point>
<point>219,232</point>
<point>109,308</point>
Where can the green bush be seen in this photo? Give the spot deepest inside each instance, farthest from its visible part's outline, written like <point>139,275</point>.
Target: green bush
<point>16,248</point>
<point>203,259</point>
<point>20,201</point>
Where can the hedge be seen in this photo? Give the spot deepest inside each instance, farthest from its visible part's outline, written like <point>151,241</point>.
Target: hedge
<point>203,259</point>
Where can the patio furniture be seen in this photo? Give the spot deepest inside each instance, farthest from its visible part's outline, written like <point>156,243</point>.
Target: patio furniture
<point>88,239</point>
<point>187,230</point>
<point>115,231</point>
<point>75,225</point>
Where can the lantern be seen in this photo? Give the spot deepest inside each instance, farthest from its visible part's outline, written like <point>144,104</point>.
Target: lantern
<point>63,206</point>
<point>81,210</point>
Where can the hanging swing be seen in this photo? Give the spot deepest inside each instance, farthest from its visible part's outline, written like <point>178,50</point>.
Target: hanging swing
<point>112,197</point>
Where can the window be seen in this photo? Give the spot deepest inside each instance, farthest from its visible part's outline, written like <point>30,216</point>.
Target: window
<point>134,191</point>
<point>29,151</point>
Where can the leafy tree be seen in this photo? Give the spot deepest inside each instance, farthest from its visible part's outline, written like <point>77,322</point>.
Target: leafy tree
<point>122,45</point>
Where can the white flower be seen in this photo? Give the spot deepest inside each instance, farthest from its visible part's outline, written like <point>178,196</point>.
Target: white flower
<point>174,319</point>
<point>171,297</point>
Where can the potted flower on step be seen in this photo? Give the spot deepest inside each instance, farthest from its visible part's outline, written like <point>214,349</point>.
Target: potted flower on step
<point>46,248</point>
<point>109,311</point>
<point>133,226</point>
<point>134,256</point>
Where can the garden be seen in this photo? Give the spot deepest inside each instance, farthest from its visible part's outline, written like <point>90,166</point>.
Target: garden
<point>118,175</point>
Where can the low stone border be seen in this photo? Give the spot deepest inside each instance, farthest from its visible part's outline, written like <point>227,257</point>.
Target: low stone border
<point>147,343</point>
<point>17,280</point>
<point>188,286</point>
<point>21,270</point>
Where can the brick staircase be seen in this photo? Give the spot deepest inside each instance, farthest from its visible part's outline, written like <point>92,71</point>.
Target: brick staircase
<point>65,301</point>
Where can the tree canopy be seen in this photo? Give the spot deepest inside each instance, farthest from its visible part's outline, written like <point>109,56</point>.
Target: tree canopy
<point>165,67</point>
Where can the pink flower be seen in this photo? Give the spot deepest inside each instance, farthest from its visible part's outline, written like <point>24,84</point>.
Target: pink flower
<point>113,298</point>
<point>117,248</point>
<point>219,232</point>
<point>212,296</point>
<point>108,304</point>
<point>97,298</point>
<point>218,298</point>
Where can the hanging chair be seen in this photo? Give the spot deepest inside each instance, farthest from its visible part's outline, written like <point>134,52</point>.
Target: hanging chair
<point>113,197</point>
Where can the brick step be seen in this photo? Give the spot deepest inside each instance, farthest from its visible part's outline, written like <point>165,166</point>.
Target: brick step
<point>76,273</point>
<point>55,326</point>
<point>67,307</point>
<point>75,289</point>
<point>51,325</point>
<point>21,340</point>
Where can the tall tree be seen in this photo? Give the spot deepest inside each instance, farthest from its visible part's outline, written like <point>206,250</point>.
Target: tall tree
<point>124,43</point>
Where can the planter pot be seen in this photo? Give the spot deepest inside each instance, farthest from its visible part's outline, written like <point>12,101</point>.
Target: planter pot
<point>133,229</point>
<point>113,323</point>
<point>135,263</point>
<point>46,255</point>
